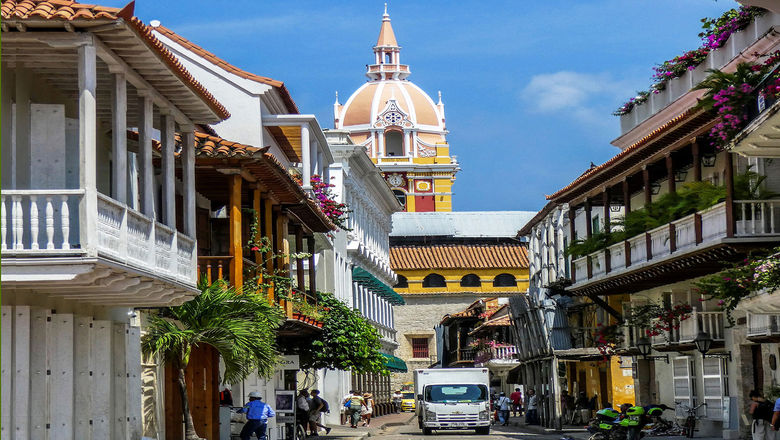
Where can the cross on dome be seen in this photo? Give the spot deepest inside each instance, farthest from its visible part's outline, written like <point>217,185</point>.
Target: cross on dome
<point>387,54</point>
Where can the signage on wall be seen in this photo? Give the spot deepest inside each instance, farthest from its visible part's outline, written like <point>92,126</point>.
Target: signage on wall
<point>290,362</point>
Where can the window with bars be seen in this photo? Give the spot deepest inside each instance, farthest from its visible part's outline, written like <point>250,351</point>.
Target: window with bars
<point>420,347</point>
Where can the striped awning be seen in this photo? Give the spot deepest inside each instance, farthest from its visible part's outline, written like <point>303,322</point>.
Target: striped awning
<point>394,364</point>
<point>363,277</point>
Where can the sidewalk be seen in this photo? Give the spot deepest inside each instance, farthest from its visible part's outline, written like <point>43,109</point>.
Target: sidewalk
<point>378,425</point>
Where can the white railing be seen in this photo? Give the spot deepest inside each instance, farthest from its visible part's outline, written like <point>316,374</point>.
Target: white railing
<point>666,337</point>
<point>659,241</point>
<point>617,256</point>
<point>508,352</point>
<point>708,322</point>
<point>757,217</point>
<point>581,268</point>
<point>40,221</point>
<point>598,263</point>
<point>685,232</point>
<point>638,247</point>
<point>763,325</point>
<point>713,222</point>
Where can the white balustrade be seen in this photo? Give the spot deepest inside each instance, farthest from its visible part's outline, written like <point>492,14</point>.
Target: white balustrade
<point>38,222</point>
<point>713,222</point>
<point>762,324</point>
<point>659,241</point>
<point>685,233</point>
<point>29,209</point>
<point>617,256</point>
<point>581,268</point>
<point>598,263</point>
<point>507,352</point>
<point>708,322</point>
<point>757,217</point>
<point>638,247</point>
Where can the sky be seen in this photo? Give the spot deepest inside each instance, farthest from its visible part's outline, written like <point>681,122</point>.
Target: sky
<point>528,87</point>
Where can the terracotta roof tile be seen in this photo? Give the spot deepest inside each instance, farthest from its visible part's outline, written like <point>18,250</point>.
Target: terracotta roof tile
<point>459,256</point>
<point>71,11</point>
<point>286,97</point>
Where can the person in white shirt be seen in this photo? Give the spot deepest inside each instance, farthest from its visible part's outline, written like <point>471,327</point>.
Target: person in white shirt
<point>504,404</point>
<point>531,413</point>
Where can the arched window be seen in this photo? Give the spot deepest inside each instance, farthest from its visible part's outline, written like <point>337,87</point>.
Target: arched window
<point>402,282</point>
<point>505,280</point>
<point>401,196</point>
<point>394,143</point>
<point>470,280</point>
<point>388,58</point>
<point>434,280</point>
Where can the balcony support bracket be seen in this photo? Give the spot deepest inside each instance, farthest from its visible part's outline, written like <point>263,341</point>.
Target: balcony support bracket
<point>604,305</point>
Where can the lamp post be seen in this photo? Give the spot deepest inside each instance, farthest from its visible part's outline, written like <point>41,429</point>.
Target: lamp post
<point>643,344</point>
<point>708,159</point>
<point>703,343</point>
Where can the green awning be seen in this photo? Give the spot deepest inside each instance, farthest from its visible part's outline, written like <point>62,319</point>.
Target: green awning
<point>365,278</point>
<point>394,364</point>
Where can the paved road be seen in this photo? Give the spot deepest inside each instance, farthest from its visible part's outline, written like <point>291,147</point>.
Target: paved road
<point>412,432</point>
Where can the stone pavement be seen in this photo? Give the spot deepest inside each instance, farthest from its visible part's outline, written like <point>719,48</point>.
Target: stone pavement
<point>378,425</point>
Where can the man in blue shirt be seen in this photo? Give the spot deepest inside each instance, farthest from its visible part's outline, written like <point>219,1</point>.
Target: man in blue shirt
<point>257,414</point>
<point>776,416</point>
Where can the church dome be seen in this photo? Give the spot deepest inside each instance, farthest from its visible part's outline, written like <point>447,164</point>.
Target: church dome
<point>373,98</point>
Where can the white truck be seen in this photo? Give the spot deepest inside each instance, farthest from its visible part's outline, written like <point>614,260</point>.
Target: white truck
<point>453,398</point>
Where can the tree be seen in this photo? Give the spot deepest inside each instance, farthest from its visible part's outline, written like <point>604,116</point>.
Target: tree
<point>347,342</point>
<point>241,327</point>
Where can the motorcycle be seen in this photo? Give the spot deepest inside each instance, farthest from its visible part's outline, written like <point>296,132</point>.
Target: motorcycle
<point>609,424</point>
<point>606,426</point>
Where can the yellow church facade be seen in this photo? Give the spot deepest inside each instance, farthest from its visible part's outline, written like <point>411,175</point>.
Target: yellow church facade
<point>402,129</point>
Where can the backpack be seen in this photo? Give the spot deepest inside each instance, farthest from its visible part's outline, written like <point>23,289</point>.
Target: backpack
<point>763,411</point>
<point>325,407</point>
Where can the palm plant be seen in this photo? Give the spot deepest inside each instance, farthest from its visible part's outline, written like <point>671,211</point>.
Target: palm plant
<point>241,327</point>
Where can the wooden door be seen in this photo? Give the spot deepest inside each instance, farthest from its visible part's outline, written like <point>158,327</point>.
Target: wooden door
<point>202,376</point>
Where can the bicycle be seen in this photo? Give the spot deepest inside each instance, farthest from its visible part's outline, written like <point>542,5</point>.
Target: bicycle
<point>689,427</point>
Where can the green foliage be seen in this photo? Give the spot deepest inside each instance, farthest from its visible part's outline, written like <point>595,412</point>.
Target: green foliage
<point>347,342</point>
<point>597,241</point>
<point>718,80</point>
<point>772,393</point>
<point>241,327</point>
<point>749,186</point>
<point>741,280</point>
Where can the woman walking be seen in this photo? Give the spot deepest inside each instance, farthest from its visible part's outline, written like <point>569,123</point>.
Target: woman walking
<point>355,403</point>
<point>368,409</point>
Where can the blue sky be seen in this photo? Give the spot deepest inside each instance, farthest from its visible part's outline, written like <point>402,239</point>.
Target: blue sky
<point>528,87</point>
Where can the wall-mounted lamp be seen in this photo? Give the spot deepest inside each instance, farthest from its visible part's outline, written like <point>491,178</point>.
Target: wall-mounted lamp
<point>680,175</point>
<point>703,343</point>
<point>708,159</point>
<point>615,208</point>
<point>655,188</point>
<point>643,344</point>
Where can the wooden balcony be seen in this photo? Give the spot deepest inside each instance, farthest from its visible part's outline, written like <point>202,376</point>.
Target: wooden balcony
<point>682,338</point>
<point>696,241</point>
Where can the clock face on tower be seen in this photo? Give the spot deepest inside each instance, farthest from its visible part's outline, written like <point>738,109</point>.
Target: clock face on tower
<point>395,180</point>
<point>393,118</point>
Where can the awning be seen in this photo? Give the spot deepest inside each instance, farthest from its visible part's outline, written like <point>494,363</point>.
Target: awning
<point>365,278</point>
<point>394,364</point>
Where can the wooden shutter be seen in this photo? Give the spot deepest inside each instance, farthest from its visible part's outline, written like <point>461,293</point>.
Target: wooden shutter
<point>683,383</point>
<point>714,380</point>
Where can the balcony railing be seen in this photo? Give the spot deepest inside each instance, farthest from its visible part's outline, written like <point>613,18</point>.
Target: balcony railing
<point>708,322</point>
<point>763,326</point>
<point>752,219</point>
<point>466,354</point>
<point>504,352</point>
<point>214,267</point>
<point>48,223</point>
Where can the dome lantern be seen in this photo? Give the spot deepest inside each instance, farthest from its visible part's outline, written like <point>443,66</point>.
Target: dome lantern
<point>387,55</point>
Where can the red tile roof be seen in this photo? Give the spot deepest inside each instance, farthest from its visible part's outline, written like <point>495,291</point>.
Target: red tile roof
<point>459,256</point>
<point>210,57</point>
<point>70,11</point>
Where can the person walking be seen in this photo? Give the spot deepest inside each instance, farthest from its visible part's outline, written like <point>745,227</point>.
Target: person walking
<point>257,415</point>
<point>581,411</point>
<point>531,408</point>
<point>567,406</point>
<point>397,397</point>
<point>517,402</point>
<point>503,404</point>
<point>302,406</point>
<point>344,410</point>
<point>761,410</point>
<point>355,404</point>
<point>368,409</point>
<point>317,407</point>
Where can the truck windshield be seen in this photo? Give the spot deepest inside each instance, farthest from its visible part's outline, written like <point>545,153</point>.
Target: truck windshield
<point>408,395</point>
<point>456,393</point>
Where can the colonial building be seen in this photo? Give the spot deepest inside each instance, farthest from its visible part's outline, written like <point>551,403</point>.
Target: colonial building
<point>362,267</point>
<point>446,261</point>
<point>93,226</point>
<point>665,148</point>
<point>401,128</point>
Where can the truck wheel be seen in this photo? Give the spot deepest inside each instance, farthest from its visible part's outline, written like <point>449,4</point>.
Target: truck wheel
<point>427,431</point>
<point>483,430</point>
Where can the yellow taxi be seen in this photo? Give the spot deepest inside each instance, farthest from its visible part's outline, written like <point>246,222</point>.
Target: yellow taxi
<point>407,401</point>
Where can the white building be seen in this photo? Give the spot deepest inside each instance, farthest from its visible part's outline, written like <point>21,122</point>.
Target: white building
<point>89,221</point>
<point>362,269</point>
